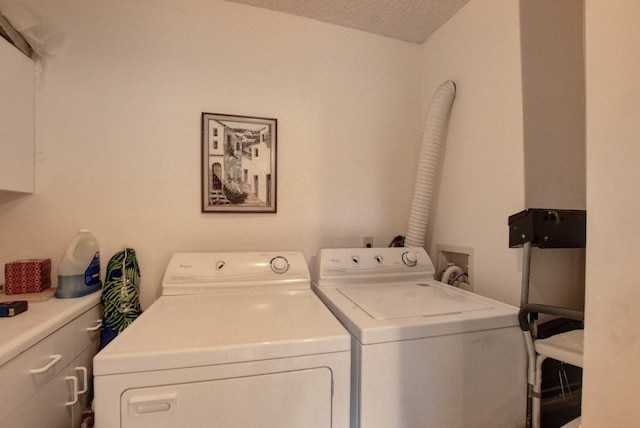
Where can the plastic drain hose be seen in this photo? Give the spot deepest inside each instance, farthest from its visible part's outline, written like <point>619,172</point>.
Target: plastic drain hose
<point>435,130</point>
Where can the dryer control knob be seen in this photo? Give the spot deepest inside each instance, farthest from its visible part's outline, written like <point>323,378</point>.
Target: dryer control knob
<point>409,258</point>
<point>279,264</point>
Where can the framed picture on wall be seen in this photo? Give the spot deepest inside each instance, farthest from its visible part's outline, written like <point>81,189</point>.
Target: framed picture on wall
<point>238,163</point>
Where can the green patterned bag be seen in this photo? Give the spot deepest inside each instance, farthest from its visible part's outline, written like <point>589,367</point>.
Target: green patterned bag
<point>120,295</point>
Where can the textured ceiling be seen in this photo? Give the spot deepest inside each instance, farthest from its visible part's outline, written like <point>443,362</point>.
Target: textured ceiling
<point>408,20</point>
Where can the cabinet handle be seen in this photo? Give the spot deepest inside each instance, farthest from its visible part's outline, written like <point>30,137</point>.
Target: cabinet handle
<point>85,377</point>
<point>74,399</point>
<point>95,327</point>
<point>54,359</point>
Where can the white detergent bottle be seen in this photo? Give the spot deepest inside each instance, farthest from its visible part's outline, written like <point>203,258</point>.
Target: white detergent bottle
<point>79,269</point>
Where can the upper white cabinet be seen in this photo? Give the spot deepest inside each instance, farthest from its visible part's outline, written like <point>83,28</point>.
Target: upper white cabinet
<point>17,119</point>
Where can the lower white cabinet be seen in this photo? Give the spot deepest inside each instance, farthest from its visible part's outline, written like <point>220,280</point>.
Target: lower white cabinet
<point>61,402</point>
<point>49,384</point>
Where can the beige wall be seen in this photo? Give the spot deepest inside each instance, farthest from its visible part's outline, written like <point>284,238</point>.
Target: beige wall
<point>612,343</point>
<point>118,131</point>
<point>482,179</point>
<point>516,139</point>
<point>553,103</point>
<point>553,93</point>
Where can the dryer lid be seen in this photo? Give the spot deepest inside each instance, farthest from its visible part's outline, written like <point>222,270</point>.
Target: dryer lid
<point>184,331</point>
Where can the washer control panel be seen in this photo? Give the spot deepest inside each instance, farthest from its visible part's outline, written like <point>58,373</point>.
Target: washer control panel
<point>409,258</point>
<point>356,265</point>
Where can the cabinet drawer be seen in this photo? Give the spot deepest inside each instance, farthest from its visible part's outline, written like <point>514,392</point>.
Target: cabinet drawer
<point>85,330</point>
<point>22,376</point>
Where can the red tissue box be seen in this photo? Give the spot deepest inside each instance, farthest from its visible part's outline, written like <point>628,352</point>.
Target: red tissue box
<point>27,276</point>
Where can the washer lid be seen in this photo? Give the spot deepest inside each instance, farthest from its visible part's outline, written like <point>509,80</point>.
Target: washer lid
<point>201,330</point>
<point>379,313</point>
<point>384,302</point>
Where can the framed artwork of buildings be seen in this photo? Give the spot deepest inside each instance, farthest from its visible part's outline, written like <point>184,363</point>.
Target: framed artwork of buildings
<point>238,163</point>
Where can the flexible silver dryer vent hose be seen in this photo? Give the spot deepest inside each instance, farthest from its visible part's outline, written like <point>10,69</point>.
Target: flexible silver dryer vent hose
<point>435,130</point>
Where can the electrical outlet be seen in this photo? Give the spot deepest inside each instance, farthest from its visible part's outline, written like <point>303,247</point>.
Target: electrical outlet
<point>449,255</point>
<point>367,242</point>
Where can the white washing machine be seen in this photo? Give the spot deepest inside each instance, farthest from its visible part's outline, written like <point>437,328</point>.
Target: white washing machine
<point>424,354</point>
<point>235,340</point>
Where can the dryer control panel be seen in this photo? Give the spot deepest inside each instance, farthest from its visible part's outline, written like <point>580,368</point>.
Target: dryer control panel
<point>345,266</point>
<point>193,273</point>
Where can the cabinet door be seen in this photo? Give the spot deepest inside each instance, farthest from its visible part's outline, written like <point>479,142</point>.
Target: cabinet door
<point>46,408</point>
<point>17,119</point>
<point>82,368</point>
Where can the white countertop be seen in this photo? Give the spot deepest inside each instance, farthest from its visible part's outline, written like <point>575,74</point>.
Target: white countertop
<point>24,330</point>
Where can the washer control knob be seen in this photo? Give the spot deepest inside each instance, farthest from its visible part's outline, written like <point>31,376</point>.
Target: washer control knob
<point>279,264</point>
<point>355,259</point>
<point>378,259</point>
<point>409,258</point>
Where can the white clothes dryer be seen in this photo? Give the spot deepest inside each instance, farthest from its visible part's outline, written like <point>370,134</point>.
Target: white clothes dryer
<point>235,340</point>
<point>424,353</point>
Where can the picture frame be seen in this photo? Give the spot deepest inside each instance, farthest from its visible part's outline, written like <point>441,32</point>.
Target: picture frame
<point>239,155</point>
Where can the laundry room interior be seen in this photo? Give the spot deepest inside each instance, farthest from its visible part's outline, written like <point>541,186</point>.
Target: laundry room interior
<point>544,116</point>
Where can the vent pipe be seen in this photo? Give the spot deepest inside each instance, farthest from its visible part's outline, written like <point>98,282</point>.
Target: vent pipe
<point>435,130</point>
